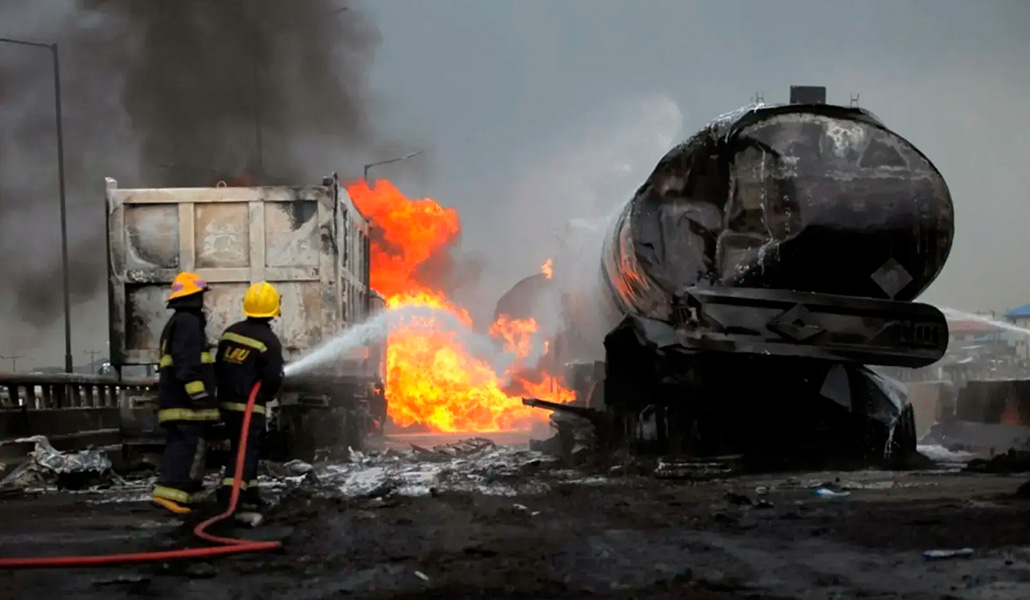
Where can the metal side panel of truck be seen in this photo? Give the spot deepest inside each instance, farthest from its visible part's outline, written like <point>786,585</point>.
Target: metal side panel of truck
<point>310,242</point>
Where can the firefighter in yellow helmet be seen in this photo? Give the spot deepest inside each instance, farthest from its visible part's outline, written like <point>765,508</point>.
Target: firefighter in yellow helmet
<point>248,352</point>
<point>186,395</point>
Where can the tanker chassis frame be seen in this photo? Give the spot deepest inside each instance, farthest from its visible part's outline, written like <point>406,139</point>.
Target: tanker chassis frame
<point>777,378</point>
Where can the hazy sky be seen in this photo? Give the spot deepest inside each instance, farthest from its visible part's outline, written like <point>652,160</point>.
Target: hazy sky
<point>535,111</point>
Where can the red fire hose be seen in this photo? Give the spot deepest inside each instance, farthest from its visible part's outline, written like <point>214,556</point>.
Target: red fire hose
<point>228,545</point>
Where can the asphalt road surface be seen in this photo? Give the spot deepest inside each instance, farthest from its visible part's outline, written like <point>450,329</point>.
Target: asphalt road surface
<point>485,522</point>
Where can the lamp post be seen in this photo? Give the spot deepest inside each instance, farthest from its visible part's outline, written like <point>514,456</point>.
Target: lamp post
<point>14,361</point>
<point>390,160</point>
<point>60,175</point>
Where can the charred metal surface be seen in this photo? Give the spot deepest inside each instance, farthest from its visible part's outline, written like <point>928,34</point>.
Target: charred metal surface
<point>591,414</point>
<point>763,263</point>
<point>784,323</point>
<point>290,242</point>
<point>222,235</point>
<point>775,410</point>
<point>812,198</point>
<point>324,413</point>
<point>152,237</point>
<point>233,236</point>
<point>309,241</point>
<point>524,298</point>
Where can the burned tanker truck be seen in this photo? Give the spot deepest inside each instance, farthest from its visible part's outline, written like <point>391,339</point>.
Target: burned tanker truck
<point>748,290</point>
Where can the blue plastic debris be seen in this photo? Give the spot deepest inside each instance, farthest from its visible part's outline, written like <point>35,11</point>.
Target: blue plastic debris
<point>942,554</point>
<point>828,493</point>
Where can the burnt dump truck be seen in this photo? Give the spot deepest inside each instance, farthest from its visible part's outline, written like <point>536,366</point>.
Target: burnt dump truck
<point>310,242</point>
<point>747,289</point>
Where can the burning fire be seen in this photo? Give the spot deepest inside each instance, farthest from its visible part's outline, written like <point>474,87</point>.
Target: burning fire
<point>548,268</point>
<point>1011,415</point>
<point>432,378</point>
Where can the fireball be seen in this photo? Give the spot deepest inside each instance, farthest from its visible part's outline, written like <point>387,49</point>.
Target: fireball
<point>432,377</point>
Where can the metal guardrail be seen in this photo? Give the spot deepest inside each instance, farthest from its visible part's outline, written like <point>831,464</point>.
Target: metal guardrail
<point>46,391</point>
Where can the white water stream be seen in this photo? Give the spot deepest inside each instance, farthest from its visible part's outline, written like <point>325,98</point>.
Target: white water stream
<point>372,330</point>
<point>376,329</point>
<point>953,314</point>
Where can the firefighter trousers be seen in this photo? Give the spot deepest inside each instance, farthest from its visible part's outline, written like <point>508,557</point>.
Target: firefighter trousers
<point>248,487</point>
<point>182,466</point>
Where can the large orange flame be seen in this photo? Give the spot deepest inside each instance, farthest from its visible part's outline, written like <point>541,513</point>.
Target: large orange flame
<point>432,379</point>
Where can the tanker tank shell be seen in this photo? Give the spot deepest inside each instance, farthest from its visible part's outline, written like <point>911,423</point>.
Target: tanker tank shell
<point>811,198</point>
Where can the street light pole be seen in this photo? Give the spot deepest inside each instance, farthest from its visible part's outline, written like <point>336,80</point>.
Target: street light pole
<point>14,361</point>
<point>68,366</point>
<point>390,160</point>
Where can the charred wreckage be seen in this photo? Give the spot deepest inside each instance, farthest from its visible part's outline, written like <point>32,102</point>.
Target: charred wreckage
<point>752,284</point>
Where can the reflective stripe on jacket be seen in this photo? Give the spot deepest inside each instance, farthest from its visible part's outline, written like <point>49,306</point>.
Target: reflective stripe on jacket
<point>247,353</point>
<point>187,378</point>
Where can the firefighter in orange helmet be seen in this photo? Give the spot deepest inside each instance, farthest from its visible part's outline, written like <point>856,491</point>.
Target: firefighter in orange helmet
<point>187,396</point>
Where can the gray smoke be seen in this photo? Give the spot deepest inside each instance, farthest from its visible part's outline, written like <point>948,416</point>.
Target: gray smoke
<point>167,93</point>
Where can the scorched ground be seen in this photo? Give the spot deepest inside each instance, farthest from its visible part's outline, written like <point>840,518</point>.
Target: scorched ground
<point>475,521</point>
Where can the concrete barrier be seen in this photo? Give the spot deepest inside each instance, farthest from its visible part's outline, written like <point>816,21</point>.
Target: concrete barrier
<point>72,411</point>
<point>991,416</point>
<point>1003,401</point>
<point>932,402</point>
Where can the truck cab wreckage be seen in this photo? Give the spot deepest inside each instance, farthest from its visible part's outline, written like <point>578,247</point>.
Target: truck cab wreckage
<point>748,290</point>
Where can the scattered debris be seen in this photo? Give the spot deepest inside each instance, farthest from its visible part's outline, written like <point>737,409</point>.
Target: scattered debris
<point>200,570</point>
<point>469,465</point>
<point>693,469</point>
<point>943,554</point>
<point>941,454</point>
<point>888,484</point>
<point>583,434</point>
<point>298,467</point>
<point>293,469</point>
<point>459,449</point>
<point>250,519</point>
<point>67,470</point>
<point>136,583</point>
<point>1013,461</point>
<point>828,493</point>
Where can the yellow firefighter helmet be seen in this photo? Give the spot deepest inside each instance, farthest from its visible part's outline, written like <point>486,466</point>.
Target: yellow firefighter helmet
<point>261,301</point>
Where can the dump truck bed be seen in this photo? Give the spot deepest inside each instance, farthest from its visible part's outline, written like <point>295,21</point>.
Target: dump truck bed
<point>310,242</point>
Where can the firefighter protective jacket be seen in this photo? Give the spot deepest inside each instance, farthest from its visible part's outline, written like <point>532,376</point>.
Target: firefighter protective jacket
<point>187,378</point>
<point>247,353</point>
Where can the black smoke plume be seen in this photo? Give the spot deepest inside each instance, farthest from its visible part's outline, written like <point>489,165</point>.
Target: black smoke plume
<point>167,93</point>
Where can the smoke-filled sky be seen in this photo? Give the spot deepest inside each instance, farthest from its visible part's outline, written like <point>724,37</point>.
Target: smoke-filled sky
<point>534,111</point>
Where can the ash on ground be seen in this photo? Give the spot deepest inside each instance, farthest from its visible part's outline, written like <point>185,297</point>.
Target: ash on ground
<point>478,520</point>
<point>474,465</point>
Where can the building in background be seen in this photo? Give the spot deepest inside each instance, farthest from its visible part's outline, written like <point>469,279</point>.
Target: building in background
<point>1020,317</point>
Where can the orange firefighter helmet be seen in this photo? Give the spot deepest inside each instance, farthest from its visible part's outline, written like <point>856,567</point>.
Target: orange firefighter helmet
<point>187,284</point>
